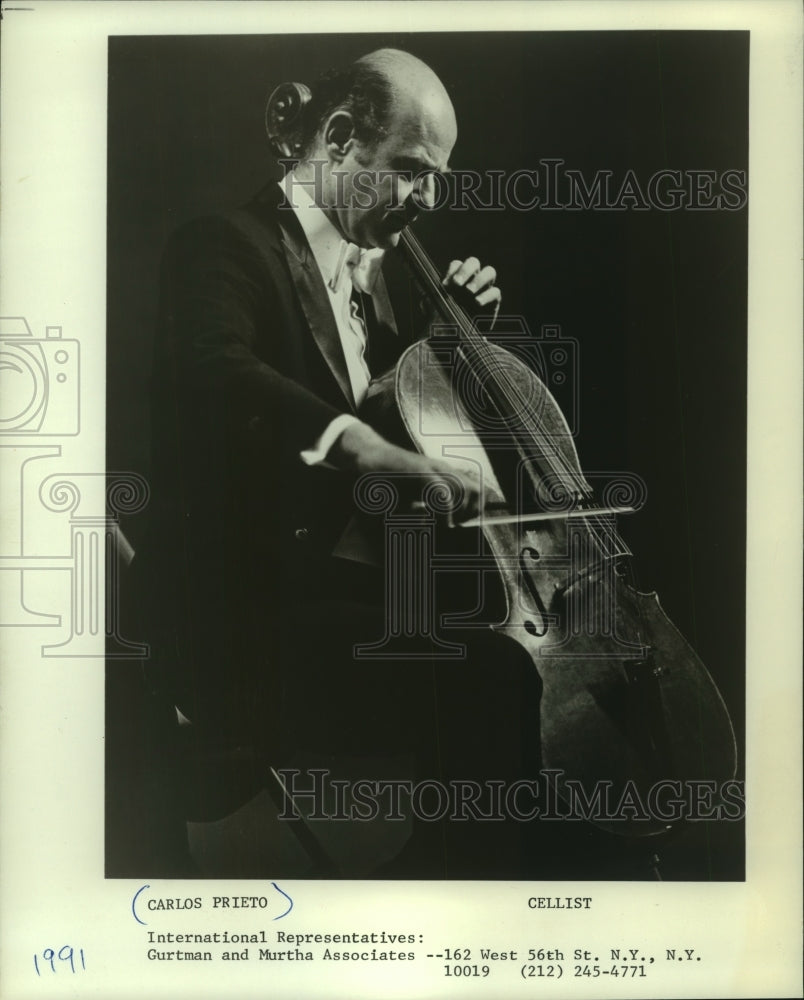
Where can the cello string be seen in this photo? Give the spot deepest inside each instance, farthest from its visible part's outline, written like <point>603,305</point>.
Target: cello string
<point>477,344</point>
<point>606,539</point>
<point>513,398</point>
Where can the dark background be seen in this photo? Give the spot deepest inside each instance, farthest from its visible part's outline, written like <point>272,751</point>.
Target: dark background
<point>655,300</point>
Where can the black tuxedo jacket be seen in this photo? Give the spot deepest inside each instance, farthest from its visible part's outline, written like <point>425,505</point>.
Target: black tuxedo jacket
<point>251,625</point>
<point>248,371</point>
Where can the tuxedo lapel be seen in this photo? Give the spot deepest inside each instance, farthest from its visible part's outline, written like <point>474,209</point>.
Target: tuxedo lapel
<point>309,285</point>
<point>317,308</point>
<point>315,301</point>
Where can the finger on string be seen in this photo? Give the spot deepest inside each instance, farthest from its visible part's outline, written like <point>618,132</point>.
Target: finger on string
<point>466,271</point>
<point>484,278</point>
<point>488,296</point>
<point>453,267</point>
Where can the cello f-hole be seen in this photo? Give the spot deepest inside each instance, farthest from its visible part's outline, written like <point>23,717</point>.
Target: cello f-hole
<point>531,627</point>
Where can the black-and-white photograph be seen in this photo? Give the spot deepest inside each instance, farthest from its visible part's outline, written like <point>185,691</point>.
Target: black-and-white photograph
<point>431,350</point>
<point>400,461</point>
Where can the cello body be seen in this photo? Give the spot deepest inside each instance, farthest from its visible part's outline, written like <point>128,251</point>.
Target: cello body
<point>628,712</point>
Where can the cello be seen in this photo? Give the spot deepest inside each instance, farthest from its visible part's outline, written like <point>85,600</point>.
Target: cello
<point>628,710</point>
<point>627,706</point>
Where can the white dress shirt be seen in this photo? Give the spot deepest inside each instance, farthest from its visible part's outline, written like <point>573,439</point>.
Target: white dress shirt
<point>340,264</point>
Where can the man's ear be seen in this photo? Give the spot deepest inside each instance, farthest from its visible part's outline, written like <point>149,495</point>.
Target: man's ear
<point>339,134</point>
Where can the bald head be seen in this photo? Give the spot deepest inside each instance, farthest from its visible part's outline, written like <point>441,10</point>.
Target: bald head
<point>377,91</point>
<point>412,83</point>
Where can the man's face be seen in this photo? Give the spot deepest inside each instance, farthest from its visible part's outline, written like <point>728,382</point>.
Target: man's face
<point>381,189</point>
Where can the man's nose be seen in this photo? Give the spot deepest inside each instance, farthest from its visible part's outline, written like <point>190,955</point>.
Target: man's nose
<point>424,192</point>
